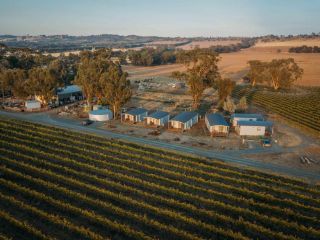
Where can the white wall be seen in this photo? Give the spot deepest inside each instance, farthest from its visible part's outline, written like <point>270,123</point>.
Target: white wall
<point>251,130</point>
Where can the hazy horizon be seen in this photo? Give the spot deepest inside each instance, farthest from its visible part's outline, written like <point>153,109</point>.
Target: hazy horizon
<point>160,18</point>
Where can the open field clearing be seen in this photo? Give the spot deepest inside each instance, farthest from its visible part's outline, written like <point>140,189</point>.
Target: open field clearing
<point>208,43</point>
<point>290,43</point>
<point>234,65</point>
<point>58,184</point>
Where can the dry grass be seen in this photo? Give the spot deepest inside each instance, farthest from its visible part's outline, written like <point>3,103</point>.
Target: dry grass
<point>208,43</point>
<point>290,43</point>
<point>234,65</point>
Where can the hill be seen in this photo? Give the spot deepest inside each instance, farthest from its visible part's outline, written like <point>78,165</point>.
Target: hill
<point>58,184</point>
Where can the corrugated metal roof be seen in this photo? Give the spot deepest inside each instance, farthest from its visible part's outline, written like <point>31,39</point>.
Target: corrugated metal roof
<point>184,116</point>
<point>158,114</point>
<point>247,115</point>
<point>255,123</point>
<point>216,119</point>
<point>137,111</point>
<point>69,89</point>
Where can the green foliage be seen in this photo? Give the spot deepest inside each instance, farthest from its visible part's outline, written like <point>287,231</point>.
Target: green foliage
<point>79,186</point>
<point>279,73</point>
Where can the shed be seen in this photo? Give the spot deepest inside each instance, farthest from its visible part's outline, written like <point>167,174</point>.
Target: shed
<point>254,128</point>
<point>136,115</point>
<point>32,105</point>
<point>216,124</point>
<point>100,115</point>
<point>158,118</point>
<point>184,120</point>
<point>236,117</point>
<point>69,94</point>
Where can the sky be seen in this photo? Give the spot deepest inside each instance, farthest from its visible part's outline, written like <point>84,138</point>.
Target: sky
<point>184,18</point>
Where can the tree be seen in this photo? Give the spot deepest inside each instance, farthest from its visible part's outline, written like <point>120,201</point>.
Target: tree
<point>14,80</point>
<point>225,88</point>
<point>242,104</point>
<point>115,88</point>
<point>43,82</point>
<point>202,72</point>
<point>90,70</point>
<point>256,72</point>
<point>283,73</point>
<point>229,105</point>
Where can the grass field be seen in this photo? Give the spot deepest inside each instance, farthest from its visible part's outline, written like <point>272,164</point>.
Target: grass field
<point>57,184</point>
<point>234,65</point>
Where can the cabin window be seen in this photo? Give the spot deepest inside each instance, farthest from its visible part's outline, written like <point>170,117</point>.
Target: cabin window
<point>221,128</point>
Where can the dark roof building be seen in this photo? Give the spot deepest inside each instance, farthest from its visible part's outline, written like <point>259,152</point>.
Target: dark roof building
<point>216,119</point>
<point>137,111</point>
<point>184,116</point>
<point>158,115</point>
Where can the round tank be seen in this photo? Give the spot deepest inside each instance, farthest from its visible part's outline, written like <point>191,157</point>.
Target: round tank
<point>100,115</point>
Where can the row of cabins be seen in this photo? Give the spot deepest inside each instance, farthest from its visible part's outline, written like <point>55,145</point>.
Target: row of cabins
<point>243,124</point>
<point>184,120</point>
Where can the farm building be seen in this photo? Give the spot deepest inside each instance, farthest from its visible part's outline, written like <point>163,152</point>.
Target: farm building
<point>216,124</point>
<point>184,120</point>
<point>235,118</point>
<point>32,105</point>
<point>136,115</point>
<point>100,115</point>
<point>158,118</point>
<point>69,94</point>
<point>254,128</point>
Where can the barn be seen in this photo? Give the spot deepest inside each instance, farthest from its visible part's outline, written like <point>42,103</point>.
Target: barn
<point>216,124</point>
<point>136,115</point>
<point>158,118</point>
<point>184,120</point>
<point>69,94</point>
<point>235,118</point>
<point>254,128</point>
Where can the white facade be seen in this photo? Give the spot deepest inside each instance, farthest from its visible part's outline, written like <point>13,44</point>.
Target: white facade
<point>158,122</point>
<point>185,125</point>
<point>251,130</point>
<point>32,105</point>
<point>135,118</point>
<point>101,115</point>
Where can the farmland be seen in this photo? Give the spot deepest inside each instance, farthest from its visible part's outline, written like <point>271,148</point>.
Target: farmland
<point>58,184</point>
<point>234,65</point>
<point>301,108</point>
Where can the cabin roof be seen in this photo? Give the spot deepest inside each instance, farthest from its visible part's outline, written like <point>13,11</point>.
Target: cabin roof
<point>247,115</point>
<point>136,111</point>
<point>158,114</point>
<point>255,123</point>
<point>184,116</point>
<point>216,119</point>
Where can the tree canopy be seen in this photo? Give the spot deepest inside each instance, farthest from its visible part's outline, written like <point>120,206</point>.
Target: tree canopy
<point>202,72</point>
<point>278,73</point>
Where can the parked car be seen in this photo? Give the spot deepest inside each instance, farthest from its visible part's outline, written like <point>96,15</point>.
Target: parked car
<point>86,122</point>
<point>266,142</point>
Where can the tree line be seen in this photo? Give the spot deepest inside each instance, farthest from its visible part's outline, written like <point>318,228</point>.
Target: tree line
<point>165,54</point>
<point>305,49</point>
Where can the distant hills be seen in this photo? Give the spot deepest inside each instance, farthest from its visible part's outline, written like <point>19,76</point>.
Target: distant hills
<point>60,43</point>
